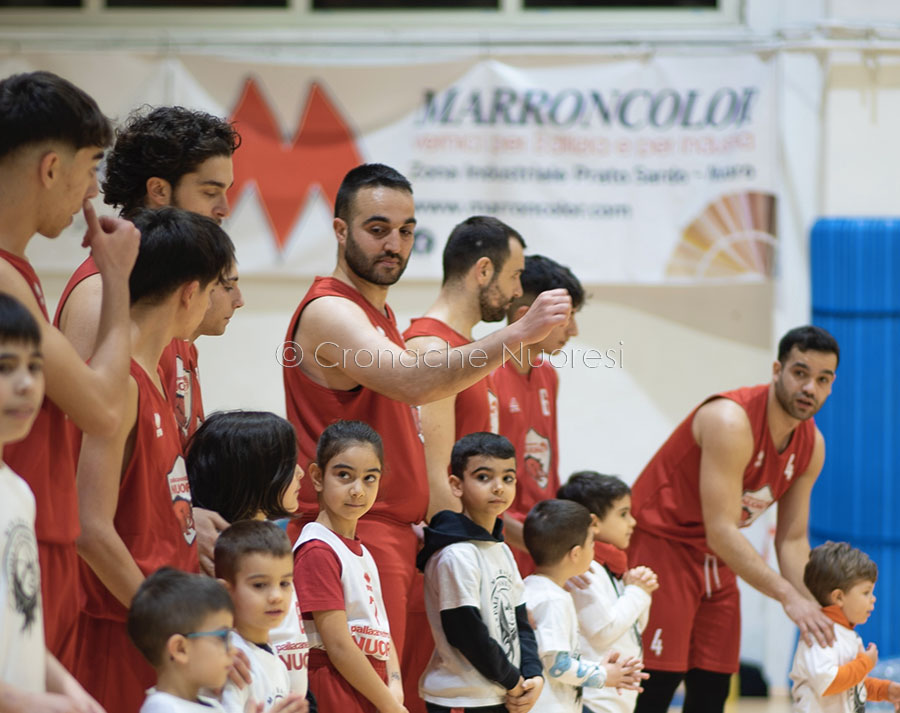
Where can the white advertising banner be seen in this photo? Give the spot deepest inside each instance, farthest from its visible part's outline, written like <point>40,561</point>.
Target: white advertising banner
<point>645,170</point>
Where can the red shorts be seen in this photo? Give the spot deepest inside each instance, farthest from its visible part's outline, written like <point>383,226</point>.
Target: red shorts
<point>417,647</point>
<point>695,618</point>
<point>109,666</point>
<point>393,547</point>
<point>332,692</point>
<point>61,595</point>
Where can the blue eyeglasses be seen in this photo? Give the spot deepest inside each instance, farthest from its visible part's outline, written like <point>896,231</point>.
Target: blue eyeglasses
<point>226,635</point>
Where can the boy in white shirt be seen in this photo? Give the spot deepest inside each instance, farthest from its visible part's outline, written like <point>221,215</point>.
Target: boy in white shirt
<point>612,602</point>
<point>253,560</point>
<point>560,540</point>
<point>485,658</point>
<point>181,623</point>
<point>834,679</point>
<point>31,679</point>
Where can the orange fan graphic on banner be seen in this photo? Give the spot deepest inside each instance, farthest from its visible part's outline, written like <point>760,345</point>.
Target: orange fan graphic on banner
<point>734,235</point>
<point>320,154</point>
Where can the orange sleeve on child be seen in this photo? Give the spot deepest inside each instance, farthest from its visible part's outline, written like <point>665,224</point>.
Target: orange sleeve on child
<point>850,674</point>
<point>877,689</point>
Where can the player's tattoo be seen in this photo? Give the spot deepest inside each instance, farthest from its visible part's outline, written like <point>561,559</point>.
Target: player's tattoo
<point>395,676</point>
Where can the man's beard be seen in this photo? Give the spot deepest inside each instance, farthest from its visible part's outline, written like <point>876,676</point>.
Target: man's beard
<point>784,399</point>
<point>490,312</point>
<point>365,268</point>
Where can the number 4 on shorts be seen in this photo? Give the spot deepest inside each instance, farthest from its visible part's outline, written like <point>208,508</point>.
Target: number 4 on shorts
<point>656,644</point>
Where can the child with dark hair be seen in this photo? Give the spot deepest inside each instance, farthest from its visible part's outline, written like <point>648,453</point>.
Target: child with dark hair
<point>560,538</point>
<point>485,652</point>
<point>182,624</point>
<point>253,561</point>
<point>353,665</point>
<point>31,678</point>
<point>242,465</point>
<point>612,602</point>
<point>133,491</point>
<point>833,679</point>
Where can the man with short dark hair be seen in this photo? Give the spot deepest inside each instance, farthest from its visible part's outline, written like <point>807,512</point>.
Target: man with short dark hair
<point>166,156</point>
<point>345,358</point>
<point>723,466</point>
<point>52,137</point>
<point>527,386</point>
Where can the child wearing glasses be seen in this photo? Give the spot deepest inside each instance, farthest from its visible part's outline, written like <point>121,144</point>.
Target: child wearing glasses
<point>253,561</point>
<point>181,623</point>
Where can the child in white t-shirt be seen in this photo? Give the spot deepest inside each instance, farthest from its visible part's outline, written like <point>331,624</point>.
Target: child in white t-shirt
<point>833,679</point>
<point>182,624</point>
<point>559,538</point>
<point>485,652</point>
<point>612,603</point>
<point>253,561</point>
<point>30,676</point>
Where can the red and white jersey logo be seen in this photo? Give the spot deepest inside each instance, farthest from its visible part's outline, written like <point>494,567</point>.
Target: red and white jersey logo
<point>494,411</point>
<point>180,491</point>
<point>754,504</point>
<point>514,405</point>
<point>537,457</point>
<point>545,401</point>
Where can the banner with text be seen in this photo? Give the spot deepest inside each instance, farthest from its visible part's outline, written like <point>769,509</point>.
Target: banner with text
<point>646,170</point>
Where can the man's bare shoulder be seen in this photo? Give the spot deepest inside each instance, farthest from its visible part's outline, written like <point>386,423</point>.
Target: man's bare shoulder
<point>14,283</point>
<point>721,419</point>
<point>330,314</point>
<point>423,343</point>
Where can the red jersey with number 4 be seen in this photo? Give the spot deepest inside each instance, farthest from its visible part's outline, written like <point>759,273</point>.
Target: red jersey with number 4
<point>45,458</point>
<point>180,370</point>
<point>477,406</point>
<point>528,420</point>
<point>153,515</point>
<point>403,492</point>
<point>666,496</point>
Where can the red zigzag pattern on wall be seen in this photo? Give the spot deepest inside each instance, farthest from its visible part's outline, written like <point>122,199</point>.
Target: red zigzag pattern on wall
<point>320,154</point>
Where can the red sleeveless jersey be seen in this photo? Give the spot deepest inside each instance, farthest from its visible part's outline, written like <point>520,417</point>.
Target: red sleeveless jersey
<point>528,420</point>
<point>83,271</point>
<point>403,493</point>
<point>153,515</point>
<point>180,371</point>
<point>666,496</point>
<point>179,365</point>
<point>45,458</point>
<point>477,406</point>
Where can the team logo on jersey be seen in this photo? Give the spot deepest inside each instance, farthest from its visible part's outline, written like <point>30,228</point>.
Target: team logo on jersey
<point>514,405</point>
<point>494,411</point>
<point>537,457</point>
<point>759,459</point>
<point>504,614</point>
<point>183,396</point>
<point>180,491</point>
<point>23,573</point>
<point>545,401</point>
<point>157,424</point>
<point>754,504</point>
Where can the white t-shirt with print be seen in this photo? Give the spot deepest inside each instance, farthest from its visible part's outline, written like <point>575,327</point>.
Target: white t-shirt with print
<point>160,702</point>
<point>476,574</point>
<point>290,643</point>
<point>815,668</point>
<point>23,654</point>
<point>270,681</point>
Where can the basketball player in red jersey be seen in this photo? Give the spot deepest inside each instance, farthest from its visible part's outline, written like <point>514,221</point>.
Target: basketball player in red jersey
<point>133,492</point>
<point>52,137</point>
<point>483,259</point>
<point>344,358</point>
<point>729,460</point>
<point>527,385</point>
<point>183,158</point>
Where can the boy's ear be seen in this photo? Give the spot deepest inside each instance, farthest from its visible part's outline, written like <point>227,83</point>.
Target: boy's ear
<point>176,649</point>
<point>225,583</point>
<point>595,522</point>
<point>315,475</point>
<point>159,192</point>
<point>49,168</point>
<point>188,291</point>
<point>456,485</point>
<point>836,596</point>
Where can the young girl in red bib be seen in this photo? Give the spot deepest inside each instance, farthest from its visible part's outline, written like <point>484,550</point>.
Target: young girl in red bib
<point>352,663</point>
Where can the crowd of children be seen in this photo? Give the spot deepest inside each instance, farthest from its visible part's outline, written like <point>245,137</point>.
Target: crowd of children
<point>282,626</point>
